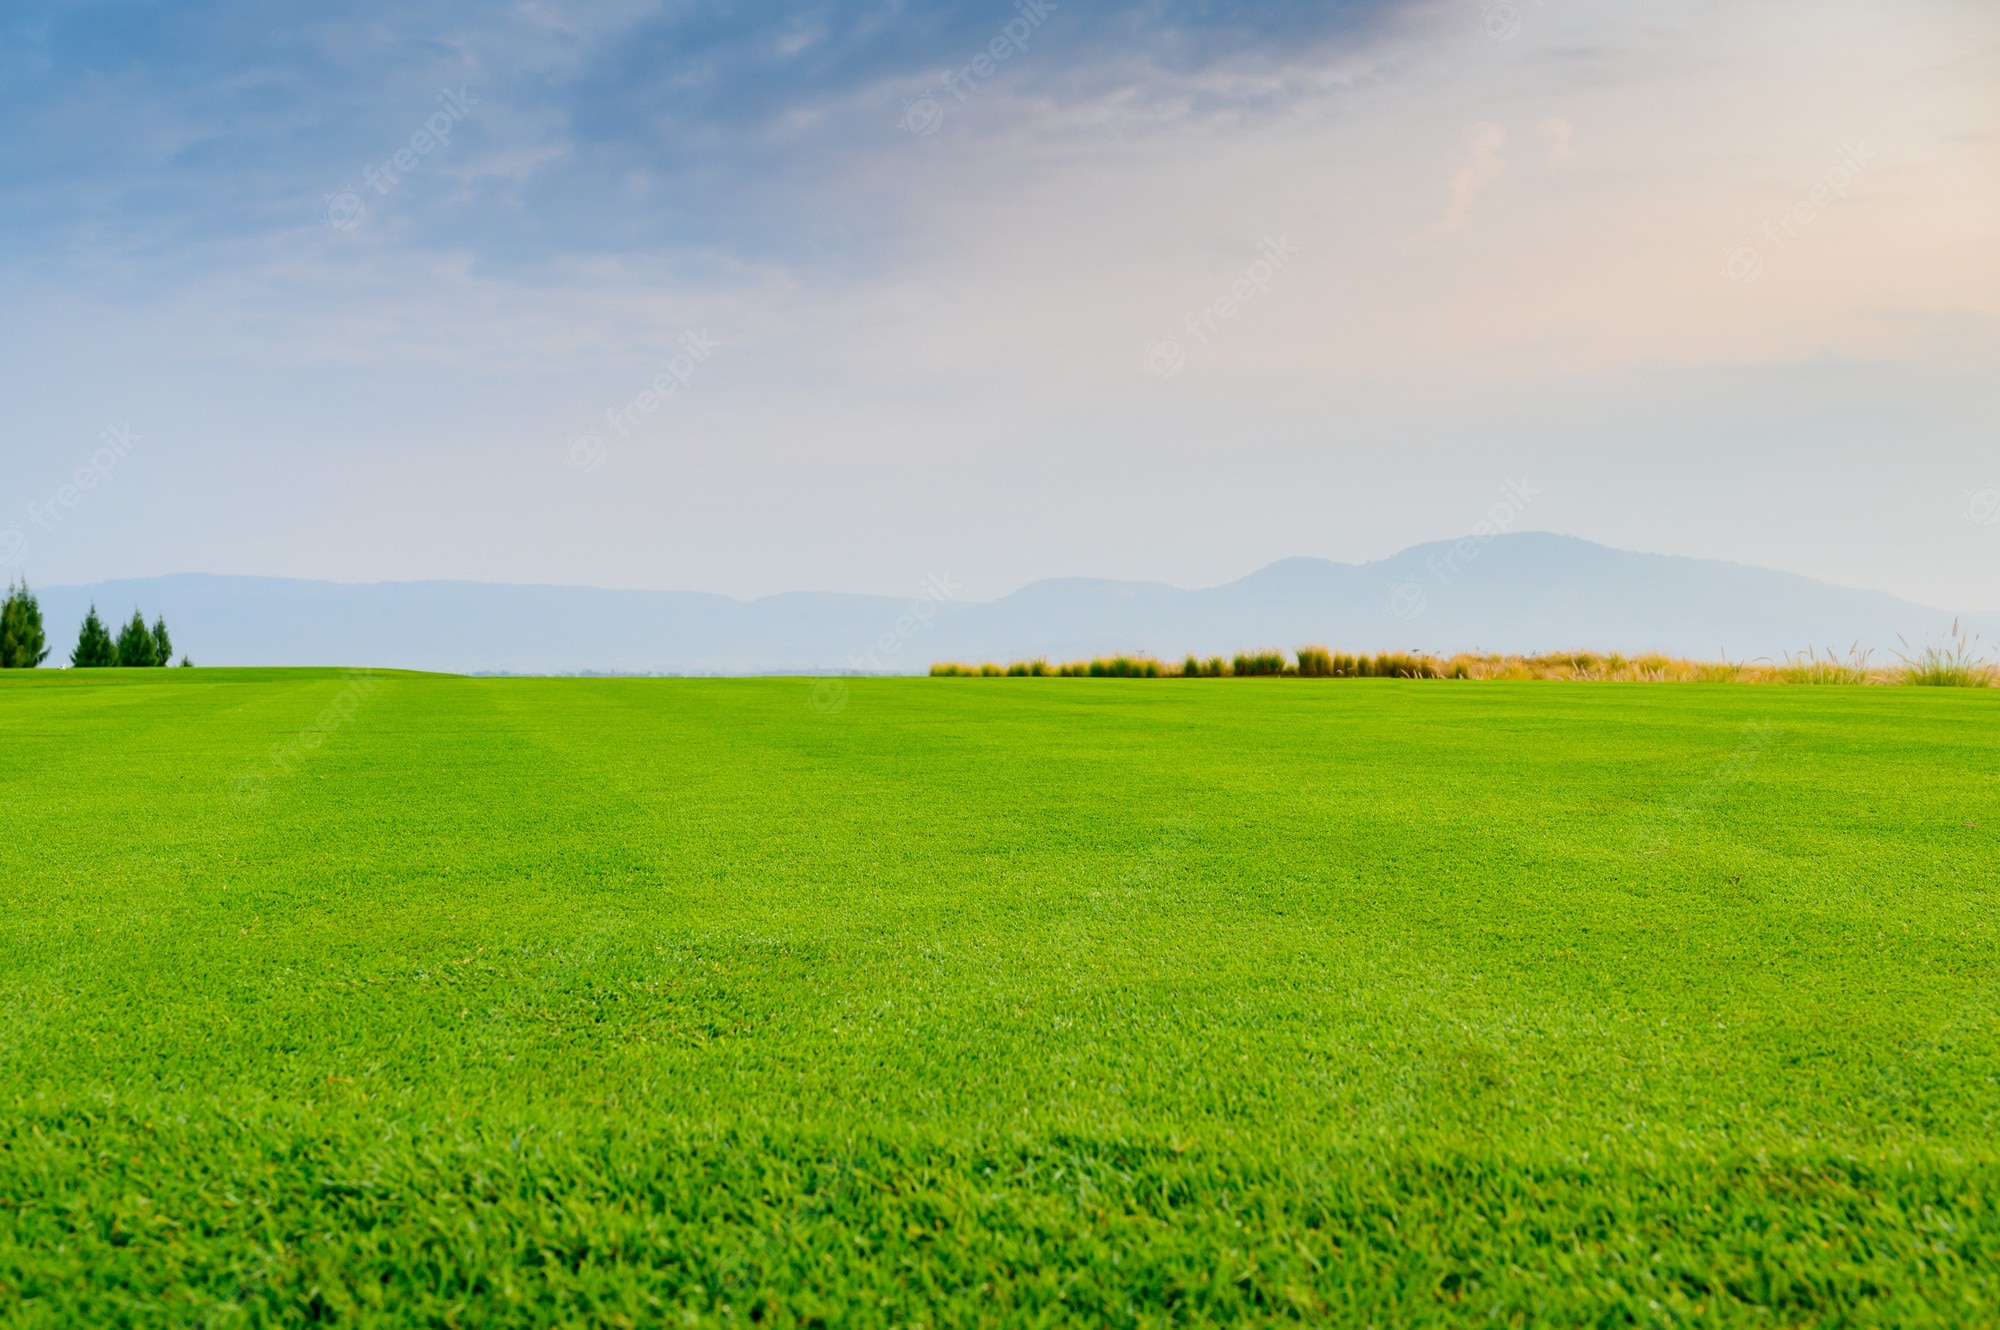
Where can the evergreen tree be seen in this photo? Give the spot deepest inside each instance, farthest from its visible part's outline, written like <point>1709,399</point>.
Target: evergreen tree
<point>163,646</point>
<point>135,643</point>
<point>93,645</point>
<point>23,645</point>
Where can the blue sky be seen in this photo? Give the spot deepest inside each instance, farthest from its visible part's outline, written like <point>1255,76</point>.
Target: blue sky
<point>760,297</point>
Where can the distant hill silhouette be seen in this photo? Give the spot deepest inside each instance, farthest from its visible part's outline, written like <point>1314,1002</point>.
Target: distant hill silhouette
<point>1519,593</point>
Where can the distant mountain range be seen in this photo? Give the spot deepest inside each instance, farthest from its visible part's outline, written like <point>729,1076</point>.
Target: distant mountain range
<point>1517,593</point>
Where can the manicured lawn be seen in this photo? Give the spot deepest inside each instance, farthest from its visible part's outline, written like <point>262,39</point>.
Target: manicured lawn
<point>1035,1000</point>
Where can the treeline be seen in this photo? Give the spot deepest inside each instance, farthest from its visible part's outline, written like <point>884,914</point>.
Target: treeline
<point>24,643</point>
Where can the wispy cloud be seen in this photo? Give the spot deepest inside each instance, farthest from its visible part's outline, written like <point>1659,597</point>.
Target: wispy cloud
<point>1560,135</point>
<point>1479,167</point>
<point>922,331</point>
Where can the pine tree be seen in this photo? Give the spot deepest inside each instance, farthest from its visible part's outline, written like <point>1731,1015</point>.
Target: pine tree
<point>93,645</point>
<point>23,645</point>
<point>135,642</point>
<point>163,646</point>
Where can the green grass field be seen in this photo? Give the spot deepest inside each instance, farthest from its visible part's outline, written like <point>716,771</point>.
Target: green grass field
<point>454,1001</point>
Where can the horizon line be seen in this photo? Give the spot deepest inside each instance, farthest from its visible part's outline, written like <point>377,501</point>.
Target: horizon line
<point>1480,539</point>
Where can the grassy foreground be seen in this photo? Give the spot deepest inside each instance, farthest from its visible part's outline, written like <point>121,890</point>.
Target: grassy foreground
<point>450,1001</point>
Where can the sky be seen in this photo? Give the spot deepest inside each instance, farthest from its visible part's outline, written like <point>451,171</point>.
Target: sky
<point>757,297</point>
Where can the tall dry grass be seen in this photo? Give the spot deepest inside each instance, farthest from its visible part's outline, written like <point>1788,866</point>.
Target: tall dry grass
<point>1955,664</point>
